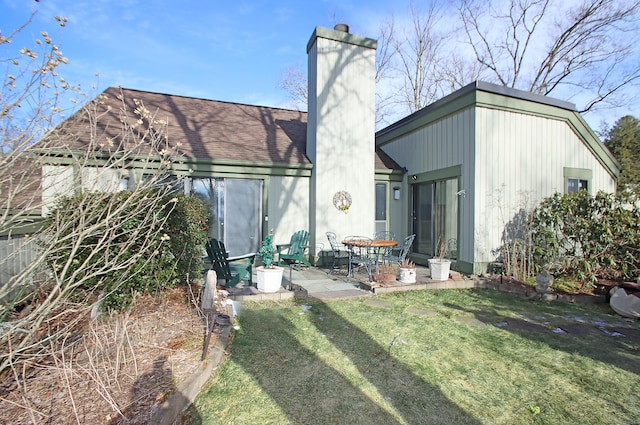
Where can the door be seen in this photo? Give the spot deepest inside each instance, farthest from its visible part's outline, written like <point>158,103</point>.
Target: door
<point>235,211</point>
<point>243,215</point>
<point>435,217</point>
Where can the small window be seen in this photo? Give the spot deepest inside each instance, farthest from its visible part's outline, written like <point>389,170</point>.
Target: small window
<point>381,207</point>
<point>574,185</point>
<point>381,202</point>
<point>576,179</point>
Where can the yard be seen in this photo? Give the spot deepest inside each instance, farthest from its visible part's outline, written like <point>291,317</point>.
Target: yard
<point>428,357</point>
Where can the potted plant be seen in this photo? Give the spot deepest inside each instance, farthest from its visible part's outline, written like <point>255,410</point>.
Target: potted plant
<point>439,266</point>
<point>407,272</point>
<point>386,274</point>
<point>269,276</point>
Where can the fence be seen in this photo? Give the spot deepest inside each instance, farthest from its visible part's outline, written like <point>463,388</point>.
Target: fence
<point>16,254</point>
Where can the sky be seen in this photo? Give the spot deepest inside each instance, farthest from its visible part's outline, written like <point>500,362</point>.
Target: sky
<point>233,50</point>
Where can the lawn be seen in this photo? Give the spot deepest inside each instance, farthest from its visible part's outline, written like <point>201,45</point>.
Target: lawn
<point>427,357</point>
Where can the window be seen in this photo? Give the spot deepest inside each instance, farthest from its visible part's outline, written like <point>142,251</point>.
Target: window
<point>574,185</point>
<point>381,207</point>
<point>576,179</point>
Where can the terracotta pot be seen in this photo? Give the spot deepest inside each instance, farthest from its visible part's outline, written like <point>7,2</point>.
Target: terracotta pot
<point>384,277</point>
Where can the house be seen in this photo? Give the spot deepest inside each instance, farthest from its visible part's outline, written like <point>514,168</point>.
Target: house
<point>455,173</point>
<point>479,156</point>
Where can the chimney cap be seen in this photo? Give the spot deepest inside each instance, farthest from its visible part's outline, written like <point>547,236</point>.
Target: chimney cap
<point>341,28</point>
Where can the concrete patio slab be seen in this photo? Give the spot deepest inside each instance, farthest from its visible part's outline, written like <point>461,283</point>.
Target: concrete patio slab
<point>376,302</point>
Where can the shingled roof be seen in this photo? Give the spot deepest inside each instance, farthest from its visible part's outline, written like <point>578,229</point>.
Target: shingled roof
<point>216,130</point>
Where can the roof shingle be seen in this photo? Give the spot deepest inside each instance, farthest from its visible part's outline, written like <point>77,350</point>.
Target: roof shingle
<point>216,130</point>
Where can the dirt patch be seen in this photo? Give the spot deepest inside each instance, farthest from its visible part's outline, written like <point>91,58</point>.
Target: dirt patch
<point>118,372</point>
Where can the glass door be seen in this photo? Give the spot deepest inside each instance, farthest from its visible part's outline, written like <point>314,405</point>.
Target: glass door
<point>243,216</point>
<point>423,218</point>
<point>235,211</point>
<point>435,217</point>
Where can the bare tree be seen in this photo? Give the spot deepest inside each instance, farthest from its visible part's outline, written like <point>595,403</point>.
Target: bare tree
<point>385,55</point>
<point>419,50</point>
<point>40,165</point>
<point>294,80</point>
<point>583,53</point>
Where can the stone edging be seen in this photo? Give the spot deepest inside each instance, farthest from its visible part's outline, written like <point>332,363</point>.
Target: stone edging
<point>187,391</point>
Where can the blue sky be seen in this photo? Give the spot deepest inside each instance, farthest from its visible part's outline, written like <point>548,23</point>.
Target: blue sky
<point>235,51</point>
<point>225,50</point>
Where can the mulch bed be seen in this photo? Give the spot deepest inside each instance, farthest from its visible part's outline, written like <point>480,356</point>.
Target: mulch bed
<point>163,347</point>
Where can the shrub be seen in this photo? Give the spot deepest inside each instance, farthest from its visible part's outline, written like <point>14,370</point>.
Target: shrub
<point>124,243</point>
<point>187,227</point>
<point>587,237</point>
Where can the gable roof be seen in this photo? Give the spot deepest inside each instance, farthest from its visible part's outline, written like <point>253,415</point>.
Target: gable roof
<point>487,95</point>
<point>211,130</point>
<point>207,129</point>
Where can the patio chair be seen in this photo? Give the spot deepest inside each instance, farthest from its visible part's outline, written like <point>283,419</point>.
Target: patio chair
<point>359,254</point>
<point>338,252</point>
<point>384,234</point>
<point>232,269</point>
<point>399,253</point>
<point>295,250</point>
<point>387,236</point>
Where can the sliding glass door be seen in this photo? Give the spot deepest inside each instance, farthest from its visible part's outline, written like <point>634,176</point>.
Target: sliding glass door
<point>435,217</point>
<point>235,211</point>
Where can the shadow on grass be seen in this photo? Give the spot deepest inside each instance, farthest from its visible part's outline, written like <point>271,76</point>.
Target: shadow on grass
<point>594,340</point>
<point>308,390</point>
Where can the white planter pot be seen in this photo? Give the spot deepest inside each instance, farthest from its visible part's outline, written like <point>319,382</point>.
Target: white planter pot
<point>439,269</point>
<point>269,280</point>
<point>407,275</point>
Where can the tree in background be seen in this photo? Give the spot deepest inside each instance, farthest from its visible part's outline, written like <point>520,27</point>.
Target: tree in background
<point>417,51</point>
<point>584,52</point>
<point>623,140</point>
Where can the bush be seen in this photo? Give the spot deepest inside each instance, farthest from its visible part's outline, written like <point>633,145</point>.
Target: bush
<point>585,237</point>
<point>187,227</point>
<point>124,243</point>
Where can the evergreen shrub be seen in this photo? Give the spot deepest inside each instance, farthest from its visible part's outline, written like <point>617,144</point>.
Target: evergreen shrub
<point>134,250</point>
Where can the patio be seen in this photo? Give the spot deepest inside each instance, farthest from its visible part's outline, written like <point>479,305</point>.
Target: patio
<point>314,282</point>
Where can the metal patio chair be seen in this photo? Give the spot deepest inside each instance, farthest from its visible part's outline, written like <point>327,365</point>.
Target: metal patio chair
<point>339,251</point>
<point>359,254</point>
<point>399,253</point>
<point>387,236</point>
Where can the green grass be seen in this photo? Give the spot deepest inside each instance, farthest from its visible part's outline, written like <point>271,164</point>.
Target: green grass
<point>350,362</point>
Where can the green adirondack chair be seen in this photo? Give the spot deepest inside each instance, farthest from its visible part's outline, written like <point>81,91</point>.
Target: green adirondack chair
<point>295,250</point>
<point>232,269</point>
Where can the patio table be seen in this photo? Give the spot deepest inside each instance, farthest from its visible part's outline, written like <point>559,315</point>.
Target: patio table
<point>376,244</point>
